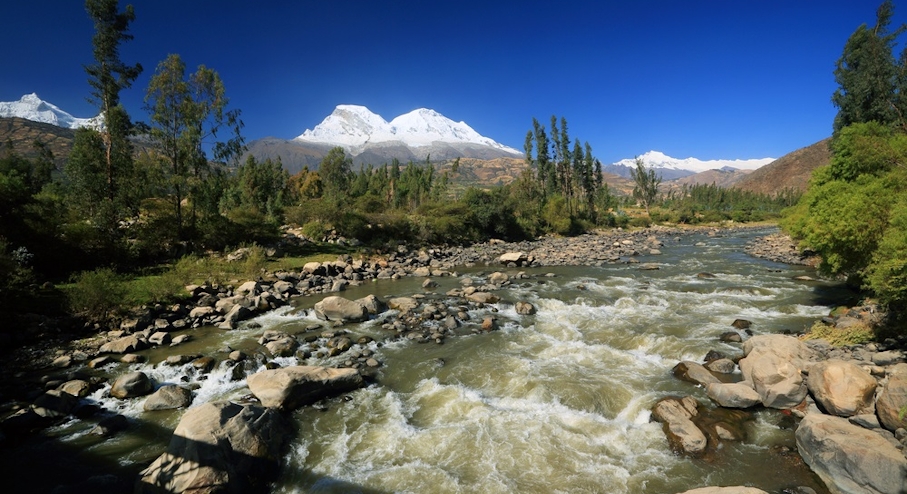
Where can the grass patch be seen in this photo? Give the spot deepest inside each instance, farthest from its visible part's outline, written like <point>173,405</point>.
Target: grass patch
<point>856,334</point>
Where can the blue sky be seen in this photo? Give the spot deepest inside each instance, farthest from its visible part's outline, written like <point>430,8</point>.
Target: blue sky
<point>726,79</point>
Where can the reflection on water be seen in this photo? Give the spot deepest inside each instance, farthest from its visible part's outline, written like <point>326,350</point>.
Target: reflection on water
<point>555,402</point>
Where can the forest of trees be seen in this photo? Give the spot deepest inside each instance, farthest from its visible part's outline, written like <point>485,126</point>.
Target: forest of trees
<point>854,213</point>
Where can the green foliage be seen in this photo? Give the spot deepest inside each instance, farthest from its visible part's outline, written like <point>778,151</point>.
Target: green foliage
<point>98,294</point>
<point>857,334</point>
<point>646,183</point>
<point>187,112</point>
<point>335,171</point>
<point>699,203</point>
<point>866,74</point>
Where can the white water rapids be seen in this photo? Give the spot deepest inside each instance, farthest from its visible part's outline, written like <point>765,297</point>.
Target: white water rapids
<point>555,402</point>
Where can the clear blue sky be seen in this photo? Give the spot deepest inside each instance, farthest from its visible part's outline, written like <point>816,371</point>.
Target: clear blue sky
<point>711,79</point>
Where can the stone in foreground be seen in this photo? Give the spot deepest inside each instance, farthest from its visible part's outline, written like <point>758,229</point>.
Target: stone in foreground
<point>842,388</point>
<point>219,447</point>
<point>849,458</point>
<point>289,388</point>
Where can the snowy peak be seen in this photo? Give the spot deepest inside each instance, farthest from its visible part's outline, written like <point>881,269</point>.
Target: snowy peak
<point>31,107</point>
<point>662,161</point>
<point>356,127</point>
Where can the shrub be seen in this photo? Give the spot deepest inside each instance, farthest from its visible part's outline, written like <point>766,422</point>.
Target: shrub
<point>852,335</point>
<point>98,294</point>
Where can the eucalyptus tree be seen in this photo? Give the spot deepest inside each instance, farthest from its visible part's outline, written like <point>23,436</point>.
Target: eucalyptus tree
<point>187,114</point>
<point>646,182</point>
<point>100,168</point>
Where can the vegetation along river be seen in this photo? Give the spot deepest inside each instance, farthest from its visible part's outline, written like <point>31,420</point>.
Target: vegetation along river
<point>553,402</point>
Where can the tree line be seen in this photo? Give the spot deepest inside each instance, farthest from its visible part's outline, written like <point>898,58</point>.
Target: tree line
<point>854,213</point>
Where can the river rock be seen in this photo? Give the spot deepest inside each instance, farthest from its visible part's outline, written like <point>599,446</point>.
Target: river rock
<point>841,388</point>
<point>283,347</point>
<point>55,404</point>
<point>76,387</point>
<point>160,338</point>
<point>248,288</point>
<point>126,344</point>
<point>339,309</point>
<point>892,400</point>
<point>517,258</point>
<point>372,304</point>
<point>219,447</point>
<point>733,395</point>
<point>849,458</point>
<point>289,388</point>
<point>525,308</point>
<point>725,490</point>
<point>498,278</point>
<point>168,397</point>
<point>108,426</point>
<point>721,366</point>
<point>694,373</point>
<point>483,298</point>
<point>403,304</point>
<point>675,415</point>
<point>772,364</point>
<point>131,385</point>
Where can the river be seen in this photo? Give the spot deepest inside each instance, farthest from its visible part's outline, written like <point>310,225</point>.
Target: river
<point>553,402</point>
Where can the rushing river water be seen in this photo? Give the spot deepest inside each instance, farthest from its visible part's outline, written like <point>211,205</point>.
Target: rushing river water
<point>554,402</point>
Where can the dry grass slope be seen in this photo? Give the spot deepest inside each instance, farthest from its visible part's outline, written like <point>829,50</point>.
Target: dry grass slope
<point>791,171</point>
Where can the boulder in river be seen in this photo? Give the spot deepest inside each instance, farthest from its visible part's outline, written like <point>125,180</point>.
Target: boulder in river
<point>219,447</point>
<point>849,458</point>
<point>289,388</point>
<point>168,397</point>
<point>676,416</point>
<point>733,395</point>
<point>772,364</point>
<point>340,309</point>
<point>131,385</point>
<point>694,373</point>
<point>842,388</point>
<point>126,344</point>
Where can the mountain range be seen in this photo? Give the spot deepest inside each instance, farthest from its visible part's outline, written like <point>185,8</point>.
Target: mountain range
<point>31,107</point>
<point>415,136</point>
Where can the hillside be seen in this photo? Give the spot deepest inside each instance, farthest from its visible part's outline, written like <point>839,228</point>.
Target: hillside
<point>792,170</point>
<point>726,177</point>
<point>23,133</point>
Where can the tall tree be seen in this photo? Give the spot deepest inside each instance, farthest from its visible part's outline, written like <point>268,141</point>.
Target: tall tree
<point>186,114</point>
<point>646,183</point>
<point>100,177</point>
<point>866,73</point>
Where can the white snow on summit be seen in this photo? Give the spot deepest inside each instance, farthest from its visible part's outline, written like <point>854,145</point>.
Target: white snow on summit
<point>31,107</point>
<point>356,126</point>
<point>660,160</point>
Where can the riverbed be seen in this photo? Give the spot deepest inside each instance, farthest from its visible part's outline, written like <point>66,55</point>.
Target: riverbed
<point>557,401</point>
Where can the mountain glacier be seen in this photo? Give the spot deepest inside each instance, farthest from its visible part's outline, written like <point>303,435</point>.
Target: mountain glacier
<point>357,128</point>
<point>661,161</point>
<point>31,107</point>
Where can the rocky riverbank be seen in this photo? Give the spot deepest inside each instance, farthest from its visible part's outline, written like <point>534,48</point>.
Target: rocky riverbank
<point>66,375</point>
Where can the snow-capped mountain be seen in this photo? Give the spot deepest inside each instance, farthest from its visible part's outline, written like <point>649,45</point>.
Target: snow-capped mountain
<point>356,128</point>
<point>674,168</point>
<point>31,107</point>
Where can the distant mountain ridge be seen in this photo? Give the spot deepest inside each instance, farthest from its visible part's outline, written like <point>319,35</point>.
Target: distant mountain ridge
<point>369,138</point>
<point>31,107</point>
<point>674,168</point>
